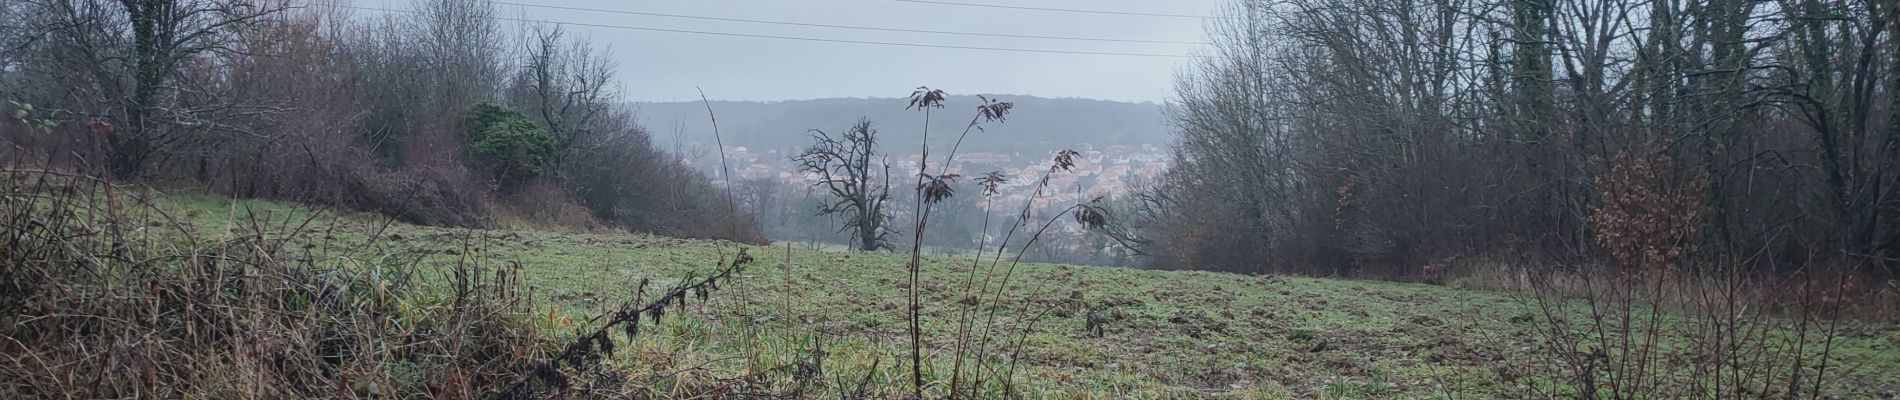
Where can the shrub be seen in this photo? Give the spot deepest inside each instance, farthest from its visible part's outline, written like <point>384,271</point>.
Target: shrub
<point>1648,218</point>
<point>542,205</point>
<point>507,144</point>
<point>427,195</point>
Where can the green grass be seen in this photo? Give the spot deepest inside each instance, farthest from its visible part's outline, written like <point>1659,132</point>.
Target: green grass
<point>1168,335</point>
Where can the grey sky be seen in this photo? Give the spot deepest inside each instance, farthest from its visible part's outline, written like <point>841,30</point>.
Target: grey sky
<point>666,66</point>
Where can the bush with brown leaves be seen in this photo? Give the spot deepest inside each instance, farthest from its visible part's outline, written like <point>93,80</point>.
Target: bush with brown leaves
<point>1649,216</point>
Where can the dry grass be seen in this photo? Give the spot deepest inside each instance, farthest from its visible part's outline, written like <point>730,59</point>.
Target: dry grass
<point>107,296</point>
<point>1859,296</point>
<point>1641,333</point>
<point>544,206</point>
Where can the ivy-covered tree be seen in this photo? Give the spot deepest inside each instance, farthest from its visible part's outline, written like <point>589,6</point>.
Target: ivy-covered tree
<point>505,143</point>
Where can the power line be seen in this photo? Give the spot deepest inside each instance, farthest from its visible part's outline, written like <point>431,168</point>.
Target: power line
<point>1069,10</point>
<point>809,39</point>
<point>754,21</point>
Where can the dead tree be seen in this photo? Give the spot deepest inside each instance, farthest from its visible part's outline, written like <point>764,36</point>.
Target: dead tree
<point>843,165</point>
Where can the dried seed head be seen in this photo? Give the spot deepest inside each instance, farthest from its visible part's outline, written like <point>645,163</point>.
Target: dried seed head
<point>1065,161</point>
<point>993,110</point>
<point>937,188</point>
<point>925,97</point>
<point>991,180</point>
<point>1092,215</point>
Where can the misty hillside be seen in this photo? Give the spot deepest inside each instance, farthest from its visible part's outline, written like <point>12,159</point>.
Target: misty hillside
<point>1041,124</point>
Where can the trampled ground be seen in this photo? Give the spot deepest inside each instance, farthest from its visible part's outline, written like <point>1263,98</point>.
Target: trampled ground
<point>1161,334</point>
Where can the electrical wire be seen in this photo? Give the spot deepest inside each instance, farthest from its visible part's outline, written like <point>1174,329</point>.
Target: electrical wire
<point>1069,10</point>
<point>754,21</point>
<point>810,39</point>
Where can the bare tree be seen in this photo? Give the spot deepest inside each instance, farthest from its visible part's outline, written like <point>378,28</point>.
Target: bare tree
<point>129,60</point>
<point>565,85</point>
<point>1376,133</point>
<point>165,35</point>
<point>844,166</point>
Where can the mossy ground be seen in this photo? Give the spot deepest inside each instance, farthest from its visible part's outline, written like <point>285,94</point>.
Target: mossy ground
<point>1165,334</point>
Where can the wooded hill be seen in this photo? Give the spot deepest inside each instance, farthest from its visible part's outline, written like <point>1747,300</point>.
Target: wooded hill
<point>1057,123</point>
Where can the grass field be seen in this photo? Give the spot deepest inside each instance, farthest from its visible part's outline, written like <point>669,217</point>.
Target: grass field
<point>1163,334</point>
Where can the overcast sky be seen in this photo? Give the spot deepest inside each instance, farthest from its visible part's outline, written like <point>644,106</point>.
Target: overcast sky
<point>666,66</point>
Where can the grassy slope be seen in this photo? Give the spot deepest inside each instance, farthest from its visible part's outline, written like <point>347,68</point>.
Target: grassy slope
<point>1168,334</point>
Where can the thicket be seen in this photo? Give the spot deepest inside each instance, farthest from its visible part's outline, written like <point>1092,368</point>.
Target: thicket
<point>1373,138</point>
<point>1693,199</point>
<point>105,294</point>
<point>441,116</point>
<point>107,291</point>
